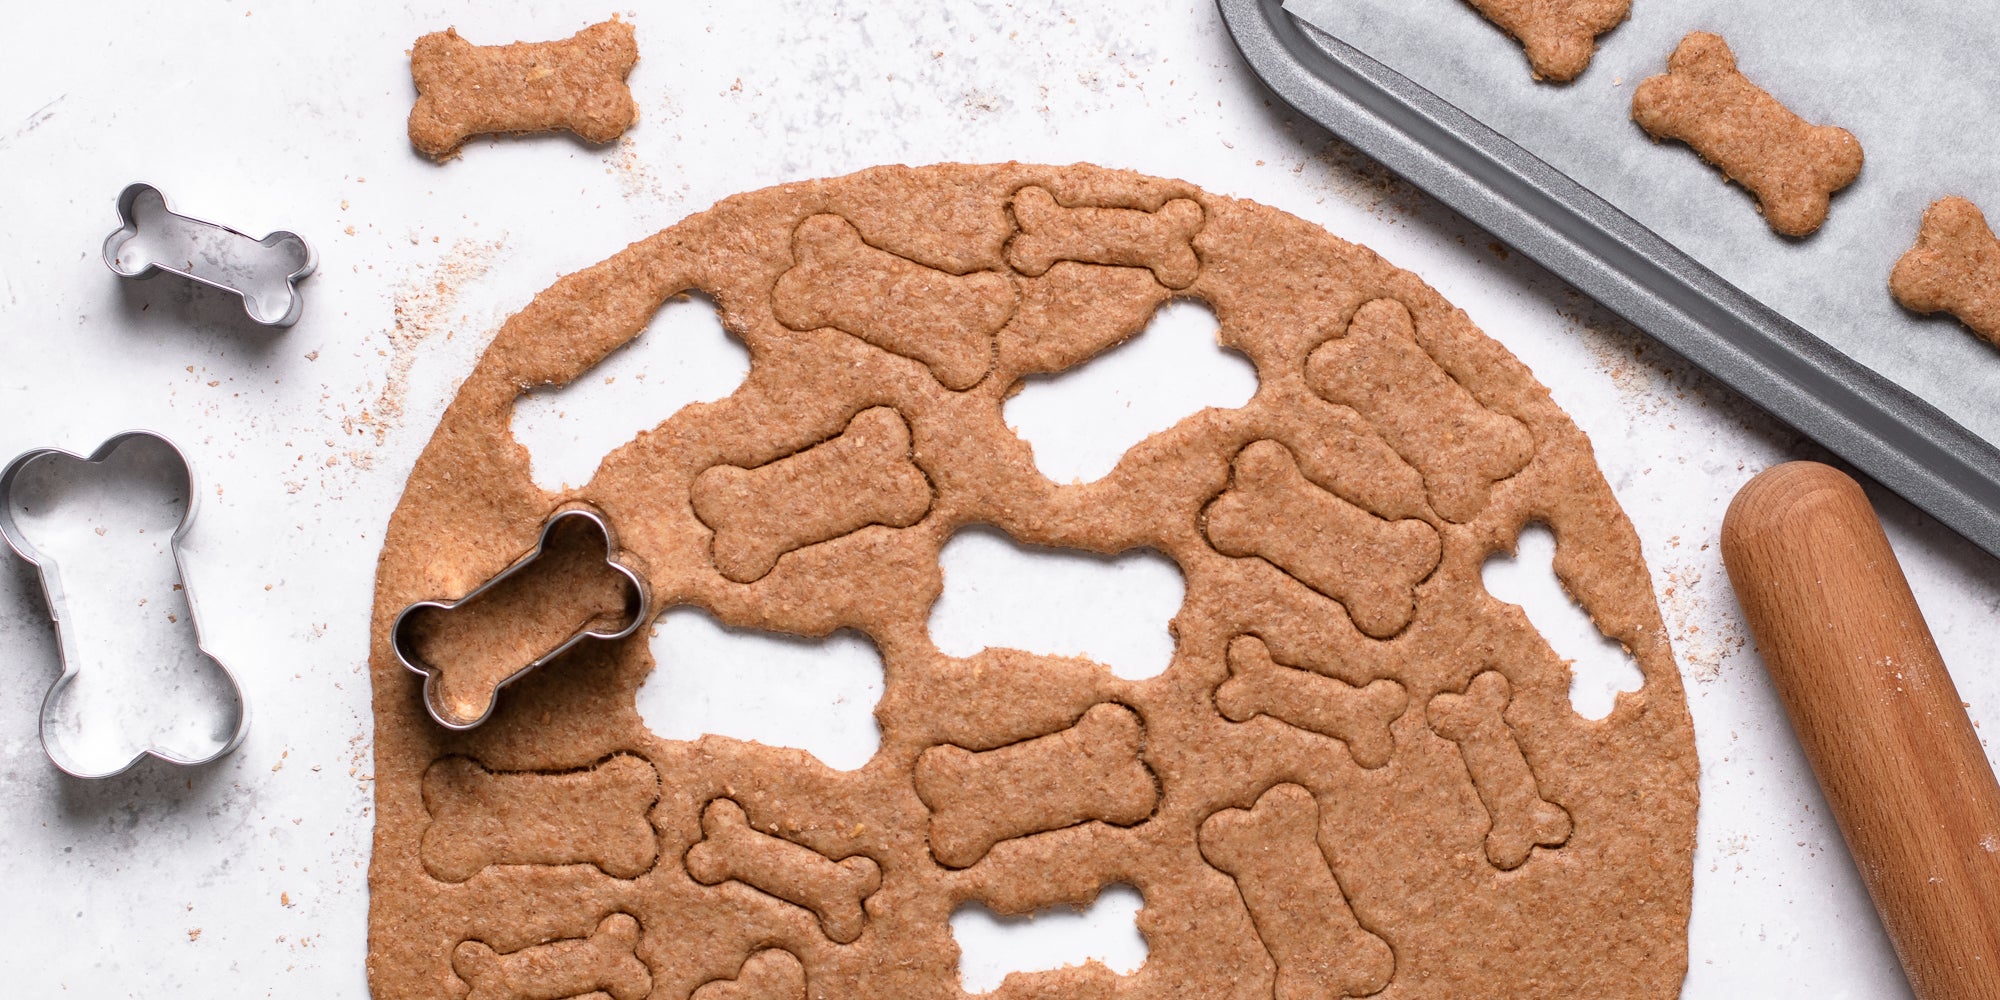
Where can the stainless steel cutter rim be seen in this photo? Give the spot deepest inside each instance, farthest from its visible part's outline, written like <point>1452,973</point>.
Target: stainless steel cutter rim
<point>639,610</point>
<point>53,596</point>
<point>129,227</point>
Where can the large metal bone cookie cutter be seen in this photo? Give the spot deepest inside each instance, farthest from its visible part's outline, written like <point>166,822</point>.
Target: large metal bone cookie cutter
<point>265,273</point>
<point>573,586</point>
<point>74,648</point>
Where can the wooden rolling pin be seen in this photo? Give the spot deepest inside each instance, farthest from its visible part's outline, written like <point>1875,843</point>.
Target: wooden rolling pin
<point>1880,720</point>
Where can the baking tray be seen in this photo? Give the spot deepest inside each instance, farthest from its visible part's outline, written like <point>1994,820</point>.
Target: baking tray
<point>1563,176</point>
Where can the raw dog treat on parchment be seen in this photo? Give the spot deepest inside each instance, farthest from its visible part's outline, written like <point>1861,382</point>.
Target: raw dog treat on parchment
<point>1360,774</point>
<point>577,84</point>
<point>1792,166</point>
<point>1559,36</point>
<point>1954,268</point>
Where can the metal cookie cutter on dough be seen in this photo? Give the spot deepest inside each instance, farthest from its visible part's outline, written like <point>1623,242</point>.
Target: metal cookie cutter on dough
<point>638,601</point>
<point>52,592</point>
<point>264,273</point>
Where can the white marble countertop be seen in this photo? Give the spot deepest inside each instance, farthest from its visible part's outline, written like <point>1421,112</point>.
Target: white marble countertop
<point>249,877</point>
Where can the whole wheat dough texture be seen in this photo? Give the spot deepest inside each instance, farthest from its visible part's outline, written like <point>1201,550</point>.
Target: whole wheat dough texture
<point>1559,36</point>
<point>1390,798</point>
<point>577,84</point>
<point>1954,267</point>
<point>1792,166</point>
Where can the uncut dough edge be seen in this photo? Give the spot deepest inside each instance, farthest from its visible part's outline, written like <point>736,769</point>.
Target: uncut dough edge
<point>1605,914</point>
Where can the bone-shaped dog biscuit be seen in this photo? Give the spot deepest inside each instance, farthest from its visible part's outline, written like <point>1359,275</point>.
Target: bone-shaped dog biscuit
<point>865,476</point>
<point>577,84</point>
<point>1161,241</point>
<point>1357,716</point>
<point>1371,566</point>
<point>1521,819</point>
<point>771,974</point>
<point>947,321</point>
<point>1954,268</point>
<point>1559,36</point>
<point>605,962</point>
<point>732,850</point>
<point>1090,771</point>
<point>1461,447</point>
<point>1793,167</point>
<point>595,816</point>
<point>1272,851</point>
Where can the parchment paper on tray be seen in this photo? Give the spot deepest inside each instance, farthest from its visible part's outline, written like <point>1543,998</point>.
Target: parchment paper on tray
<point>1906,86</point>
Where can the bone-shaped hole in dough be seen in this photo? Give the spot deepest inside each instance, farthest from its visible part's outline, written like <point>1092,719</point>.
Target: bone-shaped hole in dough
<point>685,356</point>
<point>1600,666</point>
<point>1080,422</point>
<point>1059,602</point>
<point>817,695</point>
<point>991,946</point>
<point>105,531</point>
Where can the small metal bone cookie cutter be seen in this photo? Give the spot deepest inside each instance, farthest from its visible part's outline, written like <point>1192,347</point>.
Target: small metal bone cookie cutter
<point>67,644</point>
<point>512,596</point>
<point>265,273</point>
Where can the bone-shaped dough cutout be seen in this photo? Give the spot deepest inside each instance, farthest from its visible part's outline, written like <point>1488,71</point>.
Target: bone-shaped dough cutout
<point>595,816</point>
<point>947,321</point>
<point>1559,36</point>
<point>732,850</point>
<point>1091,771</point>
<point>1379,370</point>
<point>1371,566</point>
<point>1162,241</point>
<point>771,974</point>
<point>865,476</point>
<point>1954,267</point>
<point>606,963</point>
<point>1357,716</point>
<point>577,84</point>
<point>1792,166</point>
<point>1272,851</point>
<point>1521,819</point>
<point>572,587</point>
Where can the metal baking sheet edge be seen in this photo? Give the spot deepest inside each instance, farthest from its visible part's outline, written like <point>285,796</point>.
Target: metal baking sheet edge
<point>1904,443</point>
